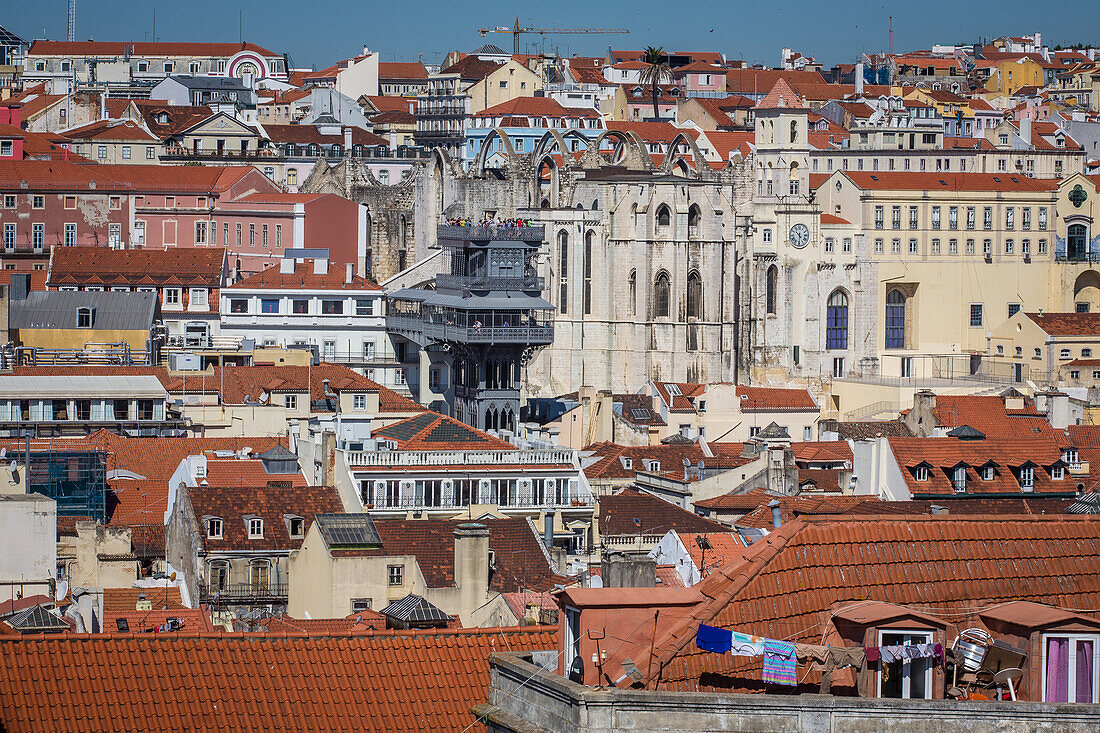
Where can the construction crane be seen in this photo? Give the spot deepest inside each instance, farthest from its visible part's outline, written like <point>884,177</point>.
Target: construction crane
<point>516,30</point>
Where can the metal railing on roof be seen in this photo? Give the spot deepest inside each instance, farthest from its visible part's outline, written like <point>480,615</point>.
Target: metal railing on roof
<point>383,459</point>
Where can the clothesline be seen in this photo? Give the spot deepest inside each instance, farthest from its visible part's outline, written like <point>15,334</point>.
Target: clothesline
<point>781,657</point>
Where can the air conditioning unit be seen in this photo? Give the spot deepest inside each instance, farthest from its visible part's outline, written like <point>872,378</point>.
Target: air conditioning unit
<point>183,361</point>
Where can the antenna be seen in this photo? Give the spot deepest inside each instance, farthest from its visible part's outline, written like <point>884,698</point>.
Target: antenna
<point>891,35</point>
<point>72,20</point>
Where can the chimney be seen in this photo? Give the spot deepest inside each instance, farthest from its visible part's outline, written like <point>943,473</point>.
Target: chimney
<point>15,116</point>
<point>347,138</point>
<point>1025,130</point>
<point>286,266</point>
<point>859,79</point>
<point>320,266</point>
<point>777,514</point>
<point>349,272</point>
<point>472,559</point>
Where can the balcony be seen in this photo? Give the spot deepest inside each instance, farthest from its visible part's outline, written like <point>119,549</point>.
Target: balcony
<point>534,334</point>
<point>484,233</point>
<point>257,593</point>
<point>518,500</point>
<point>484,282</point>
<point>392,459</point>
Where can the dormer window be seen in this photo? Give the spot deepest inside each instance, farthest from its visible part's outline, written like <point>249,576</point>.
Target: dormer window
<point>295,527</point>
<point>1057,473</point>
<point>255,528</point>
<point>988,473</point>
<point>1027,478</point>
<point>959,479</point>
<point>628,462</point>
<point>214,528</point>
<point>653,466</point>
<point>920,473</point>
<point>85,317</point>
<point>1071,457</point>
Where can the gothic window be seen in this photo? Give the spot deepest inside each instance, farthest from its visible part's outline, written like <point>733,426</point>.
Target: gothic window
<point>770,288</point>
<point>694,296</point>
<point>661,289</point>
<point>694,216</point>
<point>632,289</point>
<point>664,217</point>
<point>588,237</point>
<point>794,131</point>
<point>836,321</point>
<point>563,270</point>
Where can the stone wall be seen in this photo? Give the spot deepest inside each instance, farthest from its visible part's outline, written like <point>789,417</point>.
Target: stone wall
<point>524,698</point>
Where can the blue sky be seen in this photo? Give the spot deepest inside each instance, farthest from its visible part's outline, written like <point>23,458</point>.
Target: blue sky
<point>320,32</point>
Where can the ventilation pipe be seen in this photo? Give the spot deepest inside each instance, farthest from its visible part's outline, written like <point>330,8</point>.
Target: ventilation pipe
<point>777,515</point>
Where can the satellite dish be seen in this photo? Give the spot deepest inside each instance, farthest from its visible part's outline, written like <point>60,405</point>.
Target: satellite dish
<point>62,590</point>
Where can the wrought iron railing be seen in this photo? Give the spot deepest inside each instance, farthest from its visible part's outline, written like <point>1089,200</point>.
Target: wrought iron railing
<point>485,282</point>
<point>272,591</point>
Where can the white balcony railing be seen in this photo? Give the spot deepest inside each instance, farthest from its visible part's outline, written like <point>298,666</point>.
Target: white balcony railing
<point>372,459</point>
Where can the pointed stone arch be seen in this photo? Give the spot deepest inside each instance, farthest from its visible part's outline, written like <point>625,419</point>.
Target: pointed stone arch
<point>482,155</point>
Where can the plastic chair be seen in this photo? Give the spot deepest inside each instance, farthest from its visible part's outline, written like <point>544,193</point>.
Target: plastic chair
<point>1007,676</point>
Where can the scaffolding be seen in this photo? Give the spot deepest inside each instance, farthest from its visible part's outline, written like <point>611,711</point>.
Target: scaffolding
<point>75,479</point>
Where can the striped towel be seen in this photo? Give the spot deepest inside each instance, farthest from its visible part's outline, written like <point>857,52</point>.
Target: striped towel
<point>780,662</point>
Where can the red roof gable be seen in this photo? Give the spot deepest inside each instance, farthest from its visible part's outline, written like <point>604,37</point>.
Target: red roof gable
<point>195,266</point>
<point>303,277</point>
<point>635,512</point>
<point>234,505</point>
<point>775,399</point>
<point>432,431</point>
<point>1067,324</point>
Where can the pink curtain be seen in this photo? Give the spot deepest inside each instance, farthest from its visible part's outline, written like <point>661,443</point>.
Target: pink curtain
<point>1057,669</point>
<point>1084,671</point>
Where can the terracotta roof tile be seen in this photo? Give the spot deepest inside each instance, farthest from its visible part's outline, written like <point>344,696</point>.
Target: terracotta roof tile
<point>537,107</point>
<point>303,278</point>
<point>609,459</point>
<point>124,600</point>
<point>144,48</point>
<point>766,591</point>
<point>400,70</point>
<point>110,130</point>
<point>1067,324</point>
<point>234,505</point>
<point>823,451</point>
<point>395,681</point>
<point>634,512</point>
<point>910,181</point>
<point>305,134</point>
<point>867,429</point>
<point>356,623</point>
<point>147,267</point>
<point>775,399</point>
<point>432,431</point>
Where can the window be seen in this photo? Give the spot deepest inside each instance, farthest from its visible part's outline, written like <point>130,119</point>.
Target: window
<point>38,235</point>
<point>1042,247</point>
<point>895,217</point>
<point>296,527</point>
<point>694,296</point>
<point>1027,478</point>
<point>958,479</point>
<point>920,473</point>
<point>84,317</point>
<point>200,232</point>
<point>895,319</point>
<point>238,235</point>
<point>770,287</point>
<point>251,235</point>
<point>913,249</point>
<point>263,236</point>
<point>976,315</point>
<point>1013,309</point>
<point>563,270</point>
<point>198,297</point>
<point>661,294</point>
<point>290,401</point>
<point>214,528</point>
<point>292,176</point>
<point>150,153</point>
<point>359,605</point>
<point>332,307</point>
<point>364,307</point>
<point>988,473</point>
<point>1010,217</point>
<point>1081,307</point>
<point>1010,247</point>
<point>908,678</point>
<point>879,223</point>
<point>171,296</point>
<point>1025,247</point>
<point>38,201</point>
<point>828,244</point>
<point>1042,217</point>
<point>987,218</point>
<point>269,305</point>
<point>953,217</point>
<point>766,235</point>
<point>278,236</point>
<point>300,306</point>
<point>1064,354</point>
<point>912,217</point>
<point>895,246</point>
<point>1070,666</point>
<point>878,246</point>
<point>836,321</point>
<point>987,247</point>
<point>935,217</point>
<point>1025,217</point>
<point>101,152</point>
<point>838,367</point>
<point>664,217</point>
<point>238,305</point>
<point>255,528</point>
<point>9,236</point>
<point>359,402</point>
<point>970,223</point>
<point>396,574</point>
<point>1058,473</point>
<point>587,271</point>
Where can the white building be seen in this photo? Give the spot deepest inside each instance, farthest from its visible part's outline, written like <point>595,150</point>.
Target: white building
<point>308,303</point>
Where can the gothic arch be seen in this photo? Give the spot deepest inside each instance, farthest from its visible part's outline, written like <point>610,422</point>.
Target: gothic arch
<point>547,191</point>
<point>629,152</point>
<point>673,156</point>
<point>487,144</point>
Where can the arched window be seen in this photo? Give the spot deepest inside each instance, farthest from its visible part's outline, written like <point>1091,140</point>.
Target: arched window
<point>794,131</point>
<point>793,179</point>
<point>661,290</point>
<point>694,296</point>
<point>632,290</point>
<point>259,574</point>
<point>404,232</point>
<point>219,575</point>
<point>563,271</point>
<point>895,319</point>
<point>1076,241</point>
<point>664,217</point>
<point>596,202</point>
<point>836,321</point>
<point>770,288</point>
<point>589,237</point>
<point>694,215</point>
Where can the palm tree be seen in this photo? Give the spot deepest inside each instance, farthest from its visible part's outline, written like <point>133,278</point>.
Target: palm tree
<point>655,71</point>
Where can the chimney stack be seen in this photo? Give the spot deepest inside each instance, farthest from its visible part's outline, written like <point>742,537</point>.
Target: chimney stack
<point>859,79</point>
<point>548,531</point>
<point>349,272</point>
<point>286,266</point>
<point>1025,129</point>
<point>320,266</point>
<point>347,139</point>
<point>777,514</point>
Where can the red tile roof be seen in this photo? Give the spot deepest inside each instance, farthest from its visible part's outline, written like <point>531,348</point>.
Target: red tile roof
<point>1084,436</point>
<point>940,456</point>
<point>682,398</point>
<point>235,504</point>
<point>401,70</point>
<point>190,620</point>
<point>657,132</point>
<point>721,548</point>
<point>775,399</point>
<point>537,107</point>
<point>41,146</point>
<point>187,266</point>
<point>945,565</point>
<point>634,512</point>
<point>180,178</point>
<point>471,68</point>
<point>432,431</point>
<point>38,278</point>
<point>394,104</point>
<point>910,181</point>
<point>180,117</point>
<point>110,130</point>
<point>760,81</point>
<point>989,414</point>
<point>246,472</point>
<point>124,600</point>
<point>781,96</point>
<point>357,623</point>
<point>305,134</point>
<point>397,681</point>
<point>1067,324</point>
<point>725,143</point>
<point>304,278</point>
<point>520,561</point>
<point>822,451</point>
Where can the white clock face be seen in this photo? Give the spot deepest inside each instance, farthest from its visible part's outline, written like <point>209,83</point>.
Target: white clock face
<point>800,235</point>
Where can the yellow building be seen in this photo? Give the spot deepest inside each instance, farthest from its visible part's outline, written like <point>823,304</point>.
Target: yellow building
<point>1006,75</point>
<point>83,321</point>
<point>511,80</point>
<point>106,141</point>
<point>1047,347</point>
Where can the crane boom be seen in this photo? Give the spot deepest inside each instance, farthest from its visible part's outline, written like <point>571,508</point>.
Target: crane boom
<point>516,30</point>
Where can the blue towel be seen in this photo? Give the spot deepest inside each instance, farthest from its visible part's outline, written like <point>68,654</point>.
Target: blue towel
<point>711,639</point>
